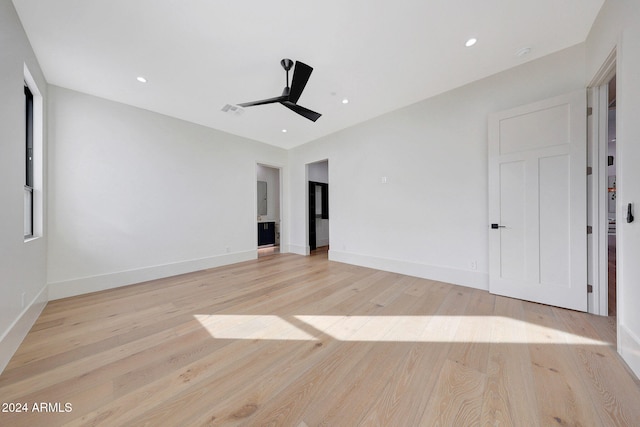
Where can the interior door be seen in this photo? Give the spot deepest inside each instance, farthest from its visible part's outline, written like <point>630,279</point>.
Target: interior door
<point>537,202</point>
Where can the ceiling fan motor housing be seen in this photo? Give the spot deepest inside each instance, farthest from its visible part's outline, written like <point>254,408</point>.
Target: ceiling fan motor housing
<point>286,64</point>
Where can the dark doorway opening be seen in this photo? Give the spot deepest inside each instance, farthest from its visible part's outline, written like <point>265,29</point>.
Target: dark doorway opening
<point>318,210</point>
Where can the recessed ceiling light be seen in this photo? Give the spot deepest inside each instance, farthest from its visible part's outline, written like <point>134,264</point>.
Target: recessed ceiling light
<point>523,51</point>
<point>284,131</point>
<point>345,101</point>
<point>471,42</point>
<point>141,79</point>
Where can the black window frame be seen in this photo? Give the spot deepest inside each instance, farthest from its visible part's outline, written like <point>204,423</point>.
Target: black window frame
<point>28,182</point>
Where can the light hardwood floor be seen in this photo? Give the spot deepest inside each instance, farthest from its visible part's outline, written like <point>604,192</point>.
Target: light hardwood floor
<point>301,341</point>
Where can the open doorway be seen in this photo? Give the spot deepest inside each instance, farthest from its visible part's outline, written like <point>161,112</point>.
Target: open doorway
<point>611,198</point>
<point>603,177</point>
<point>318,208</point>
<point>268,209</point>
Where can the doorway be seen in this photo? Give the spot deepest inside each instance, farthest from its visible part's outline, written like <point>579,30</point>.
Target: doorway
<point>318,205</point>
<point>611,198</point>
<point>603,178</point>
<point>268,203</point>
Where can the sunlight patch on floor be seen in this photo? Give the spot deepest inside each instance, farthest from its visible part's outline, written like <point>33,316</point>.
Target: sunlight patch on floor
<point>428,329</point>
<point>481,329</point>
<point>241,327</point>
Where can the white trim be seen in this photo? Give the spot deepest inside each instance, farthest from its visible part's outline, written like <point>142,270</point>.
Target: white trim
<point>468,278</point>
<point>284,248</point>
<point>298,250</point>
<point>84,285</point>
<point>629,348</point>
<point>593,260</point>
<point>16,333</point>
<point>606,71</point>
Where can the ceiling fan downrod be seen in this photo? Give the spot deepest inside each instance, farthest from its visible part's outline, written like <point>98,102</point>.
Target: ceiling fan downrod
<point>287,64</point>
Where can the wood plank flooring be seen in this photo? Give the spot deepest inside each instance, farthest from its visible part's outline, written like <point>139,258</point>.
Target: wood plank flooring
<point>299,341</point>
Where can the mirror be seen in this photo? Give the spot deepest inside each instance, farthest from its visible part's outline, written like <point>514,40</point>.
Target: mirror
<point>262,198</point>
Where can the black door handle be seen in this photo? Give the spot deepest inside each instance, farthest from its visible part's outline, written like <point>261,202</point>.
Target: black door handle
<point>629,213</point>
<point>496,226</point>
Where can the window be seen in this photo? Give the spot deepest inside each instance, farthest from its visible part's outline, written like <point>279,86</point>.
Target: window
<point>29,181</point>
<point>33,159</point>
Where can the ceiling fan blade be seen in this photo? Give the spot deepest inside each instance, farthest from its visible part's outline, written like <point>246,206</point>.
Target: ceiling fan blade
<point>301,75</point>
<point>265,101</point>
<point>304,112</point>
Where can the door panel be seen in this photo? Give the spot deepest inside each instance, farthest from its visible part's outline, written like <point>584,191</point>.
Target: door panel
<point>554,215</point>
<point>537,199</point>
<point>512,182</point>
<point>523,132</point>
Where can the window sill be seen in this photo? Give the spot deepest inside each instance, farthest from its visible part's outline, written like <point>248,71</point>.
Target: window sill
<point>31,239</point>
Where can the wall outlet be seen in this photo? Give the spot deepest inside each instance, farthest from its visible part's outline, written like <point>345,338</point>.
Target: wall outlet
<point>473,265</point>
<point>22,299</point>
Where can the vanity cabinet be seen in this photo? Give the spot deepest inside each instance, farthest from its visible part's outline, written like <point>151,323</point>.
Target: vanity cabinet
<point>266,233</point>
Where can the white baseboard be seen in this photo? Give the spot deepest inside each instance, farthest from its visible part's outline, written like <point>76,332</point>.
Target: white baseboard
<point>629,348</point>
<point>299,250</point>
<point>284,248</point>
<point>12,339</point>
<point>102,282</point>
<point>471,279</point>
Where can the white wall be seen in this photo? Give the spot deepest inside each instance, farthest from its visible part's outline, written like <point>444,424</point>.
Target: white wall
<point>136,195</point>
<point>22,264</point>
<point>618,26</point>
<point>430,217</point>
<point>319,172</point>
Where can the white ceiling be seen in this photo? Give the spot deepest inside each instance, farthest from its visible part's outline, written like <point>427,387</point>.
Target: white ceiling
<point>199,55</point>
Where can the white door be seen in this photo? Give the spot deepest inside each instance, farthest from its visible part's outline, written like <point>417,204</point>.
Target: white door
<point>537,202</point>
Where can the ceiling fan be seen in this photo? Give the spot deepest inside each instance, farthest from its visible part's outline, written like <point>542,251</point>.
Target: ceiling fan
<point>290,95</point>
